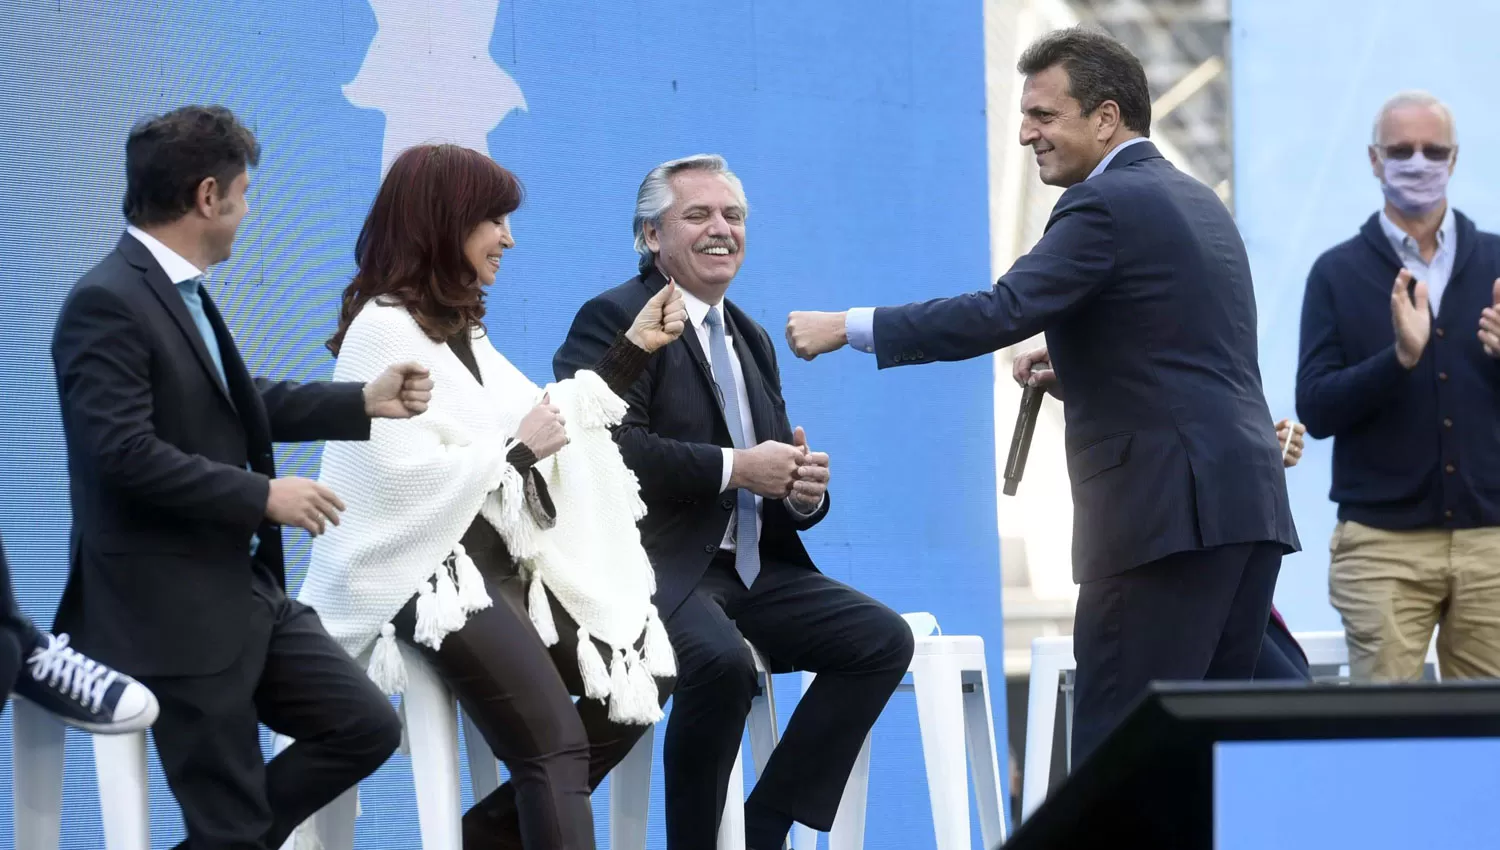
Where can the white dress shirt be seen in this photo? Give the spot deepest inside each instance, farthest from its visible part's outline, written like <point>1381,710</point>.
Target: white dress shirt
<point>171,262</point>
<point>697,310</point>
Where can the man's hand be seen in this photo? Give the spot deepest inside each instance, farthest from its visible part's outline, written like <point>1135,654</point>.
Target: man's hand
<point>811,334</point>
<point>1489,324</point>
<point>1412,321</point>
<point>1289,437</point>
<point>1034,369</point>
<point>769,470</point>
<point>302,503</point>
<point>400,392</point>
<point>661,321</point>
<point>812,475</point>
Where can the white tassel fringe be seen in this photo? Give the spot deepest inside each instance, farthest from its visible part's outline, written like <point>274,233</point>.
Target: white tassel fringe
<point>506,511</point>
<point>660,661</point>
<point>429,630</point>
<point>621,704</point>
<point>598,406</point>
<point>541,611</point>
<point>471,593</point>
<point>643,686</point>
<point>450,611</point>
<point>591,667</point>
<point>386,669</point>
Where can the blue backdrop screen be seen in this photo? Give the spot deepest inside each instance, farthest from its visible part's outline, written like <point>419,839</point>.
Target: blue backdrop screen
<point>858,131</point>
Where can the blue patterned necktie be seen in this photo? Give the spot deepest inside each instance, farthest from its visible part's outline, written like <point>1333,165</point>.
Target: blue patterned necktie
<point>746,542</point>
<point>192,296</point>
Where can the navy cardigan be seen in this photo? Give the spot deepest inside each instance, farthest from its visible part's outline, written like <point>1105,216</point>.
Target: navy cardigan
<point>1415,448</point>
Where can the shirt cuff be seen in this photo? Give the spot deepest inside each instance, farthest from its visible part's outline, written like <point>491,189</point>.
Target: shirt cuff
<point>791,505</point>
<point>859,326</point>
<point>728,469</point>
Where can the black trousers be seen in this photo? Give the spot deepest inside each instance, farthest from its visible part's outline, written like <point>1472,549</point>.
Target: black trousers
<point>294,678</point>
<point>859,648</point>
<point>17,635</point>
<point>1280,656</point>
<point>517,691</point>
<point>1189,616</point>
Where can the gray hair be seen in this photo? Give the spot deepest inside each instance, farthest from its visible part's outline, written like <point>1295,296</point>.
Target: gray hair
<point>655,195</point>
<point>1414,97</point>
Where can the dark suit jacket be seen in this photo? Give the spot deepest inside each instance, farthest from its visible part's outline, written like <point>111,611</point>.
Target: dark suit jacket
<point>164,507</point>
<point>674,434</point>
<point>1143,288</point>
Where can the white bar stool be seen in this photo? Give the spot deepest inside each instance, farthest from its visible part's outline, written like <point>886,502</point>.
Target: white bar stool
<point>431,718</point>
<point>951,682</point>
<point>1052,669</point>
<point>37,741</point>
<point>630,781</point>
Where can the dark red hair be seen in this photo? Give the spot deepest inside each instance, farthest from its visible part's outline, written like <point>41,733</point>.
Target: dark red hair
<point>411,249</point>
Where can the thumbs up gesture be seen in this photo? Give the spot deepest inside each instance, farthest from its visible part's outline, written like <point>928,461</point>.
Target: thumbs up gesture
<point>812,475</point>
<point>1489,324</point>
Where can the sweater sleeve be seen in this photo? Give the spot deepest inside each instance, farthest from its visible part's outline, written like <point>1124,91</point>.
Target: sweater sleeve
<point>621,364</point>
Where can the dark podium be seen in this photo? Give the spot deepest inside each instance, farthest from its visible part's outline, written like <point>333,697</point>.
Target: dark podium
<point>1151,783</point>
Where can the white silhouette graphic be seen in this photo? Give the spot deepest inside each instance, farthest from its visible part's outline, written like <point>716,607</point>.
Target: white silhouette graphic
<point>429,70</point>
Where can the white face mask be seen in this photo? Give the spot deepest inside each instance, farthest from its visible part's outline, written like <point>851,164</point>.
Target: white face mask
<point>1415,185</point>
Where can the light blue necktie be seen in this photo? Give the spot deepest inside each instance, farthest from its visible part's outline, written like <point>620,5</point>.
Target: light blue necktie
<point>192,296</point>
<point>746,542</point>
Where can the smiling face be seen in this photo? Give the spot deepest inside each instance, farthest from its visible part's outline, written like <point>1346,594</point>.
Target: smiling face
<point>1067,143</point>
<point>485,245</point>
<point>700,241</point>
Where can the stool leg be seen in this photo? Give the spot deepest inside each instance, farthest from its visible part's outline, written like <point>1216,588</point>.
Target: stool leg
<point>335,823</point>
<point>940,714</point>
<point>432,729</point>
<point>849,824</point>
<point>732,822</point>
<point>805,837</point>
<point>979,728</point>
<point>762,725</point>
<point>484,768</point>
<point>1041,714</point>
<point>124,790</point>
<point>38,742</point>
<point>630,795</point>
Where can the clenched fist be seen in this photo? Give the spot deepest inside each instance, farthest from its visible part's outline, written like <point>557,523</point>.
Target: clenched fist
<point>661,321</point>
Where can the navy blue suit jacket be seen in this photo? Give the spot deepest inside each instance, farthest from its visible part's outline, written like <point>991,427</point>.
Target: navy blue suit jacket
<point>170,469</point>
<point>674,434</point>
<point>1143,288</point>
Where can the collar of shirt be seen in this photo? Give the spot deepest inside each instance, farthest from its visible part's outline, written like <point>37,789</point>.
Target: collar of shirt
<point>1109,157</point>
<point>171,262</point>
<point>697,308</point>
<point>1401,239</point>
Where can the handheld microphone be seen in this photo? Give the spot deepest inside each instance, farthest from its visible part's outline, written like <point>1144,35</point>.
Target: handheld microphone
<point>1020,440</point>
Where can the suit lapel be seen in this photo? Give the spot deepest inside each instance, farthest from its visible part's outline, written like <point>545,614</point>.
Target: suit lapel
<point>748,349</point>
<point>156,280</point>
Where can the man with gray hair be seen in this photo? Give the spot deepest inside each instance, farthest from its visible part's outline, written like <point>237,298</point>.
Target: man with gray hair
<point>728,484</point>
<point>1400,340</point>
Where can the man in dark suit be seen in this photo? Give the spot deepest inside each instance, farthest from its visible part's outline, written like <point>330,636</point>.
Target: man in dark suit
<point>177,573</point>
<point>728,485</point>
<point>1143,288</point>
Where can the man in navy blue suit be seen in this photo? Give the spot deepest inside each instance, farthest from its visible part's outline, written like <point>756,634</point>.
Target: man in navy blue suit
<point>1143,288</point>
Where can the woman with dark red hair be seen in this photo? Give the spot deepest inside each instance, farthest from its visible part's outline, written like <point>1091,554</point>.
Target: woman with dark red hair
<point>493,537</point>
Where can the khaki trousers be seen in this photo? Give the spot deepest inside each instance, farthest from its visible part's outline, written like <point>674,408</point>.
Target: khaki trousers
<point>1393,587</point>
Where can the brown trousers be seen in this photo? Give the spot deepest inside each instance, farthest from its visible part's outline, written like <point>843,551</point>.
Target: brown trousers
<point>1393,587</point>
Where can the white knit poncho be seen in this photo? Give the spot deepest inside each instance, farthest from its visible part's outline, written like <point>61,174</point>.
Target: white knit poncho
<point>412,490</point>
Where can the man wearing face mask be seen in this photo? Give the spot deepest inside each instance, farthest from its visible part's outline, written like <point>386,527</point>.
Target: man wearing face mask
<point>1400,340</point>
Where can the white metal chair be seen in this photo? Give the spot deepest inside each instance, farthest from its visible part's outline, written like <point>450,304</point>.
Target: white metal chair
<point>1052,668</point>
<point>37,741</point>
<point>630,781</point>
<point>951,683</point>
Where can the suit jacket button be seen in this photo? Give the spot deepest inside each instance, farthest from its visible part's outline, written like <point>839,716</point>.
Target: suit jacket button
<point>710,549</point>
<point>727,504</point>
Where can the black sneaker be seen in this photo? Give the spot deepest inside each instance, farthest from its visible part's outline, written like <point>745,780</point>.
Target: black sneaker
<point>83,692</point>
